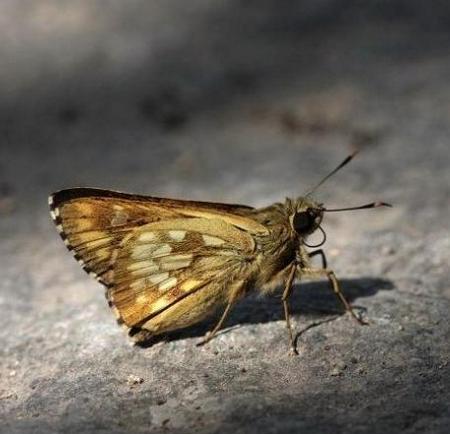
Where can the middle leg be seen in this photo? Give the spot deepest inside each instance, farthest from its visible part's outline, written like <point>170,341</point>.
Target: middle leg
<point>319,272</point>
<point>286,293</point>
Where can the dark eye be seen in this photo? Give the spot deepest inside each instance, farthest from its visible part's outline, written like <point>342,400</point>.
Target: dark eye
<point>302,222</point>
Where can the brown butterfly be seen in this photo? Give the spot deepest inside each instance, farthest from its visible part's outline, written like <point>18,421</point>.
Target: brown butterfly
<point>167,264</point>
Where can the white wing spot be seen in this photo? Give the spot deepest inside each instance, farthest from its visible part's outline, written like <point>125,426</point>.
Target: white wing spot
<point>151,250</point>
<point>50,200</point>
<point>146,236</point>
<point>143,250</point>
<point>143,267</point>
<point>137,284</point>
<point>142,299</point>
<point>212,241</point>
<point>54,213</point>
<point>175,262</point>
<point>177,235</point>
<point>159,304</point>
<point>158,278</point>
<point>167,284</point>
<point>119,218</point>
<point>165,249</point>
<point>190,284</point>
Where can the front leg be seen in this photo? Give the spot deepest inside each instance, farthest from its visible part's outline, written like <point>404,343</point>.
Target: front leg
<point>320,272</point>
<point>322,255</point>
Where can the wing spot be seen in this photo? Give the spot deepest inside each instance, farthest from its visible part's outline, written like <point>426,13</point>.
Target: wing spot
<point>146,236</point>
<point>189,285</point>
<point>54,213</point>
<point>142,251</point>
<point>143,267</point>
<point>143,299</point>
<point>116,313</point>
<point>165,249</point>
<point>159,304</point>
<point>177,235</point>
<point>119,218</point>
<point>212,241</point>
<point>167,284</point>
<point>176,262</point>
<point>154,250</point>
<point>137,284</point>
<point>50,200</point>
<point>158,278</point>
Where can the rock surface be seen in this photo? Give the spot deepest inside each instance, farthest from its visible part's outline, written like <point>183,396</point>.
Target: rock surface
<point>238,102</point>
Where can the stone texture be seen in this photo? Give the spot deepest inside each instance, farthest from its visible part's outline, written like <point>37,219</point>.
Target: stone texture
<point>240,102</point>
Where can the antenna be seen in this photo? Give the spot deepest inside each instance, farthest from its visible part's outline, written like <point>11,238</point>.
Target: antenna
<point>344,163</point>
<point>367,206</point>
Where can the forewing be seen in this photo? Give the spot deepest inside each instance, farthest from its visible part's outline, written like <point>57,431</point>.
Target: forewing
<point>93,223</point>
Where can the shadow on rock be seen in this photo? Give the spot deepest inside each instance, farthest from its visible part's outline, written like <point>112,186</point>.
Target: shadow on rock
<point>314,300</point>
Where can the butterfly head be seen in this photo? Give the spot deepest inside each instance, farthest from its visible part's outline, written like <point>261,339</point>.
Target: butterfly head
<point>307,216</point>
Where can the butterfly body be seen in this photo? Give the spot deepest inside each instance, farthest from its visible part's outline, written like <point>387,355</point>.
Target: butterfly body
<point>150,251</point>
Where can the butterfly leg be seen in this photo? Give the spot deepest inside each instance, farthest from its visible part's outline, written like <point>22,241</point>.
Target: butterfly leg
<point>286,294</point>
<point>319,272</point>
<point>322,255</point>
<point>210,335</point>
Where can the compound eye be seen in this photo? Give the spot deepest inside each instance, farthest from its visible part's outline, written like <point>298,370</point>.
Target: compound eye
<point>302,222</point>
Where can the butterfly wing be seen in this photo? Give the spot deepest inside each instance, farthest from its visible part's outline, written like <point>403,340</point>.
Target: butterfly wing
<point>93,222</point>
<point>165,262</point>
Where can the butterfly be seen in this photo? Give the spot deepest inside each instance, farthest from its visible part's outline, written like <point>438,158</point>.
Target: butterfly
<point>167,264</point>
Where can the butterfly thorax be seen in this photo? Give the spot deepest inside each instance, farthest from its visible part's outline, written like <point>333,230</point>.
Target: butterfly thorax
<point>277,248</point>
<point>284,242</point>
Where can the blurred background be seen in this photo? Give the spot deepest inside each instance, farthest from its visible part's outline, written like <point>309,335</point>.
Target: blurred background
<point>163,96</point>
<point>237,101</point>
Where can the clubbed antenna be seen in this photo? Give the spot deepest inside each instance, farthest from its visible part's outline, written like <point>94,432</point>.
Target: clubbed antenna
<point>344,163</point>
<point>367,206</point>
